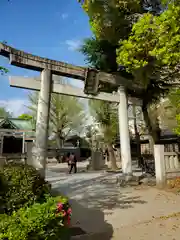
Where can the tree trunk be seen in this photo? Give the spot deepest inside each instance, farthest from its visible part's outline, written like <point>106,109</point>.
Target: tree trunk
<point>154,133</point>
<point>59,142</point>
<point>151,144</point>
<point>137,136</point>
<point>112,157</point>
<point>59,138</point>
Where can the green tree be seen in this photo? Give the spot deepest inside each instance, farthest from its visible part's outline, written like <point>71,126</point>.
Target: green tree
<point>174,97</point>
<point>26,116</point>
<point>151,54</point>
<point>177,130</point>
<point>66,115</point>
<point>112,21</point>
<point>101,54</point>
<point>3,70</point>
<point>106,116</point>
<point>109,26</point>
<point>5,113</point>
<point>153,39</point>
<point>90,132</point>
<point>29,117</point>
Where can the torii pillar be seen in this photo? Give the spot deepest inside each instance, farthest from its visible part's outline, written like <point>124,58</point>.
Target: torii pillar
<point>124,132</point>
<point>39,151</point>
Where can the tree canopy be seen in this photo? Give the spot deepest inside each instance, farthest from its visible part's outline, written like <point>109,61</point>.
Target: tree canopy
<point>177,130</point>
<point>152,38</point>
<point>101,54</point>
<point>112,20</point>
<point>3,70</point>
<point>25,116</point>
<point>174,97</point>
<point>106,115</point>
<point>151,54</point>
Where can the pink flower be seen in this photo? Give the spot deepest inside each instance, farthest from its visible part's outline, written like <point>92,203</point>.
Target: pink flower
<point>64,213</point>
<point>69,211</point>
<point>59,206</point>
<point>68,221</point>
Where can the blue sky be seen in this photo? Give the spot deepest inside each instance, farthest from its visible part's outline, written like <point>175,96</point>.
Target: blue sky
<point>52,29</point>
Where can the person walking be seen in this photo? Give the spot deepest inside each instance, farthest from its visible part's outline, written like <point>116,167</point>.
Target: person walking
<point>73,163</point>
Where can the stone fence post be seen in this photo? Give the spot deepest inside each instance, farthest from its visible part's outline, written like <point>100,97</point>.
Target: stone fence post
<point>160,166</point>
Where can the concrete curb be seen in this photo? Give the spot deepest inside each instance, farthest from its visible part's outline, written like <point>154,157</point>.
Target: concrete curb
<point>93,236</point>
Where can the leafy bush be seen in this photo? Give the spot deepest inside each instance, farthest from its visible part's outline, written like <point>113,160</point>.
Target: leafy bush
<point>46,221</point>
<point>174,182</point>
<point>21,185</point>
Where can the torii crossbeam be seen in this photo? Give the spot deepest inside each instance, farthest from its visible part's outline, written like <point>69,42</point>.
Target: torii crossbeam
<point>34,83</point>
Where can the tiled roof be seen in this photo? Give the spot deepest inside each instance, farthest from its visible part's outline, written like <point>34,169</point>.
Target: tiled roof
<point>16,123</point>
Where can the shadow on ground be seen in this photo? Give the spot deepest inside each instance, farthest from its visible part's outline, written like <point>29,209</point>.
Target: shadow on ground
<point>88,223</point>
<point>92,198</point>
<point>65,169</point>
<point>99,193</point>
<point>91,220</point>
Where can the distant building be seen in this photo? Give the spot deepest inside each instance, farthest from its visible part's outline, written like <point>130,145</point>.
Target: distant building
<point>14,134</point>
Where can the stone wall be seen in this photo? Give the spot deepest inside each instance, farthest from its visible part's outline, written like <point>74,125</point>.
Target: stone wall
<point>172,165</point>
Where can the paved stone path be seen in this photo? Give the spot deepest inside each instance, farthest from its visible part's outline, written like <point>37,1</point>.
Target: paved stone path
<point>101,206</point>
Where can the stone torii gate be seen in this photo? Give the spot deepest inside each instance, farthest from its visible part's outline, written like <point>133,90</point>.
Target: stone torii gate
<point>92,79</point>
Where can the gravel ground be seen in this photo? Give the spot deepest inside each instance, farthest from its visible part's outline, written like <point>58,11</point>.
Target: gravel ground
<point>106,211</point>
<point>158,218</point>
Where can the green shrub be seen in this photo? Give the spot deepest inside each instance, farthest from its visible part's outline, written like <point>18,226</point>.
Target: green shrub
<point>45,221</point>
<point>3,188</point>
<point>21,185</point>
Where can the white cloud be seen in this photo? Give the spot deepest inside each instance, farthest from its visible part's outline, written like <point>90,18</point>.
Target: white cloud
<point>76,83</point>
<point>73,45</point>
<point>15,106</point>
<point>64,16</point>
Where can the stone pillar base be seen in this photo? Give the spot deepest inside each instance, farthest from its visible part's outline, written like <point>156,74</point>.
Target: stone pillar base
<point>92,168</point>
<point>129,180</point>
